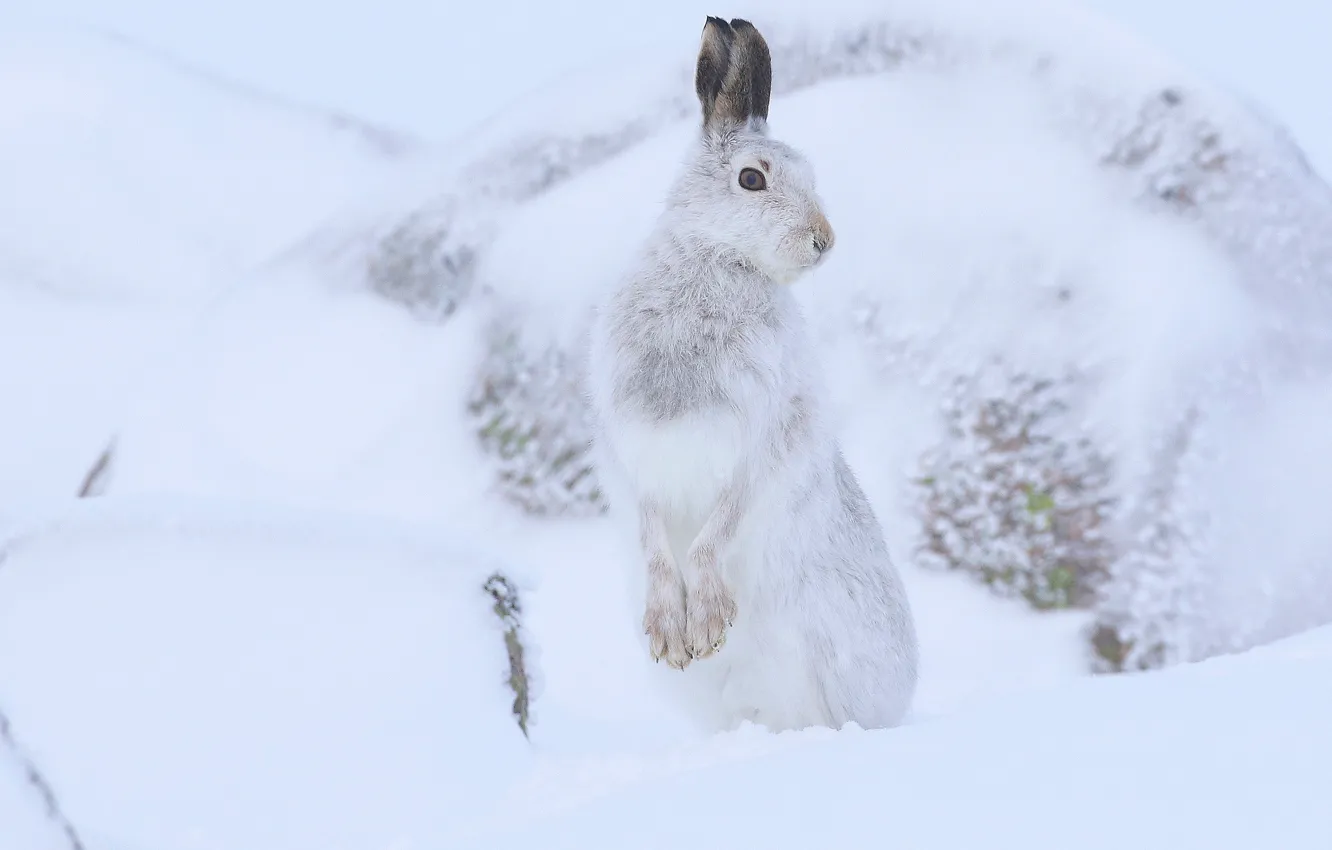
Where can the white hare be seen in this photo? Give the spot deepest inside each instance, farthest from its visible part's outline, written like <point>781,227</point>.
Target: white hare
<point>755,534</point>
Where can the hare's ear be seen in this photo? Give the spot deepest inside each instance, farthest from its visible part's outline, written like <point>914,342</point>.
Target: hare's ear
<point>734,76</point>
<point>714,60</point>
<point>751,68</point>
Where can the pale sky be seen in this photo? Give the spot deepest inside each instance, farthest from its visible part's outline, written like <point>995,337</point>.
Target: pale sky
<point>382,59</point>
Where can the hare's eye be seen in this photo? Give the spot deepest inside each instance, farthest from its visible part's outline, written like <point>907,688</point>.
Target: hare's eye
<point>753,179</point>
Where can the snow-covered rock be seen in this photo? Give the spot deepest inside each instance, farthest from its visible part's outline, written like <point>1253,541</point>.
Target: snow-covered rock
<point>1013,182</point>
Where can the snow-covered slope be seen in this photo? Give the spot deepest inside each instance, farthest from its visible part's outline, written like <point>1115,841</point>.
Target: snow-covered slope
<point>220,676</point>
<point>122,173</point>
<point>133,190</point>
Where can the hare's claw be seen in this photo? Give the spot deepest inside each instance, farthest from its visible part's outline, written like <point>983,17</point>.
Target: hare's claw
<point>711,611</point>
<point>665,629</point>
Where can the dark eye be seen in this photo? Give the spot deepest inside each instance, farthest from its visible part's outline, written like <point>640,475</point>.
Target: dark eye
<point>753,179</point>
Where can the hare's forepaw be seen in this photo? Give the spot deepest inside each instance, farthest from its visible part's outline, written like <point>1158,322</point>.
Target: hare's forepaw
<point>664,623</point>
<point>711,613</point>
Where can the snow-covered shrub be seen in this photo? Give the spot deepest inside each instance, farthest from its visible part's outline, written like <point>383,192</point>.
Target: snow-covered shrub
<point>1014,494</point>
<point>530,416</point>
<point>422,265</point>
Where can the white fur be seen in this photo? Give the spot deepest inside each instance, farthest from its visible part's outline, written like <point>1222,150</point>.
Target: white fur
<point>711,447</point>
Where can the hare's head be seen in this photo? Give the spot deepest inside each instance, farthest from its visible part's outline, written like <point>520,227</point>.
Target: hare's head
<point>745,191</point>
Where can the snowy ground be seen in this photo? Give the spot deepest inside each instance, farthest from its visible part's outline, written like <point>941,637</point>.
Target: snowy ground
<point>273,637</point>
<point>206,675</point>
<point>157,667</point>
<point>1230,753</point>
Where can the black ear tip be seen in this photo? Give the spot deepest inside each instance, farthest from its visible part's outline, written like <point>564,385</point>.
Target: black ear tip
<point>716,22</point>
<point>740,25</point>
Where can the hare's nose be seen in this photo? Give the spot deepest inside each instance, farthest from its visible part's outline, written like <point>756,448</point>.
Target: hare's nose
<point>821,242</point>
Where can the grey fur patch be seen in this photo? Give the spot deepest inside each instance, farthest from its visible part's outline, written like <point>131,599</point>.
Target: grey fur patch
<point>682,348</point>
<point>796,427</point>
<point>665,384</point>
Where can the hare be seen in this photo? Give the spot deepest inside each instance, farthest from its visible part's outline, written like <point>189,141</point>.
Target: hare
<point>768,581</point>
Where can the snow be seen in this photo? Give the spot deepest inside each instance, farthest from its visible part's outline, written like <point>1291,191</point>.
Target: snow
<point>316,673</point>
<point>59,417</point>
<point>286,392</point>
<point>1272,52</point>
<point>88,118</point>
<point>1275,454</point>
<point>161,657</point>
<point>1192,757</point>
<point>23,809</point>
<point>271,633</point>
<point>133,194</point>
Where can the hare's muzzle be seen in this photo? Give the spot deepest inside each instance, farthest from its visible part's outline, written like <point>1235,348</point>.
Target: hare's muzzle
<point>823,235</point>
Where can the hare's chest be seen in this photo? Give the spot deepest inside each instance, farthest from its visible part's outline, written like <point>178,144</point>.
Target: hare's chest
<point>683,462</point>
<point>690,400</point>
<point>688,376</point>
